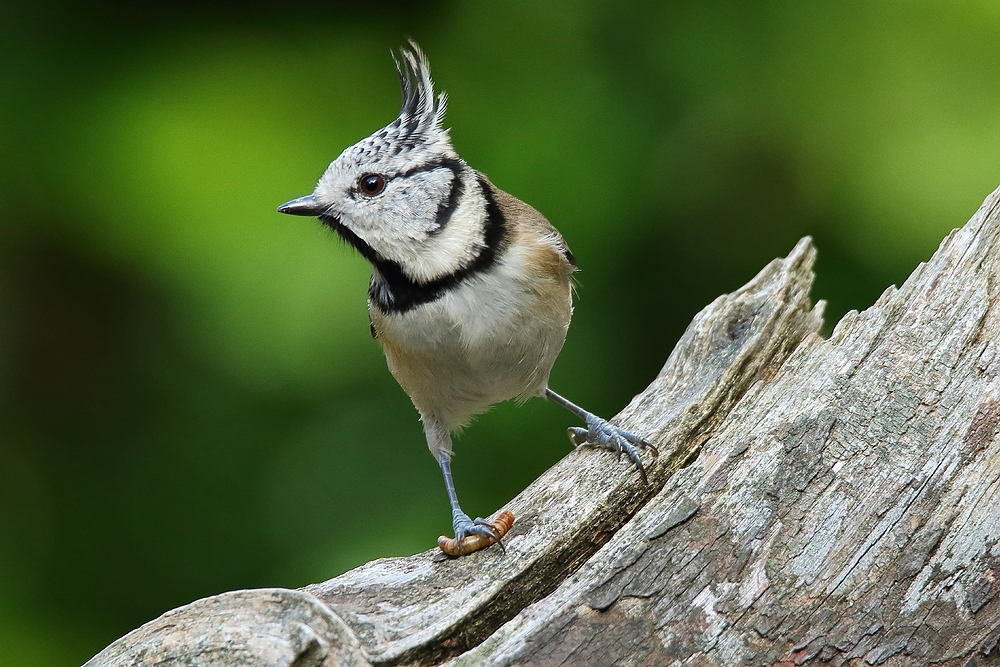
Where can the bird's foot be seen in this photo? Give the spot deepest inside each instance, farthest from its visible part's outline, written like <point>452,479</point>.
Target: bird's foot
<point>471,535</point>
<point>605,435</point>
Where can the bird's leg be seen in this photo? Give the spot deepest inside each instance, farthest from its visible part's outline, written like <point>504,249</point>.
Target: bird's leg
<point>465,527</point>
<point>602,433</point>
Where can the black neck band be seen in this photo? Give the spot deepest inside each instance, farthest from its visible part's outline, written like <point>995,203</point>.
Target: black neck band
<point>392,291</point>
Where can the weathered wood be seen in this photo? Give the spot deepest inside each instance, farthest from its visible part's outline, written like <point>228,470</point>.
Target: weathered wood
<point>268,626</point>
<point>831,500</point>
<point>846,511</point>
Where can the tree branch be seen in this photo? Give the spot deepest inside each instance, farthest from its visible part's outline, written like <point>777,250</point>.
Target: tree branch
<point>814,499</point>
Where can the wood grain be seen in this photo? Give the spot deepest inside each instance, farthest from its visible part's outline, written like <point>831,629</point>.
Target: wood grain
<point>814,500</point>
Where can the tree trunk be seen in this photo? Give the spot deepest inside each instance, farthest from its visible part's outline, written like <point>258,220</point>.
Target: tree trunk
<point>814,500</point>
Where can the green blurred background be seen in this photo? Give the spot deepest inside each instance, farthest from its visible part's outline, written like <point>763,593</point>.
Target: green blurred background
<point>190,401</point>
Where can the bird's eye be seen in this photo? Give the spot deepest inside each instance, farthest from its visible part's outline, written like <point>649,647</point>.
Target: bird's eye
<point>371,184</point>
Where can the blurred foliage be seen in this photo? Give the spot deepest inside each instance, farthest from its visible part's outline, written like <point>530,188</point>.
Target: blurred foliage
<point>190,401</point>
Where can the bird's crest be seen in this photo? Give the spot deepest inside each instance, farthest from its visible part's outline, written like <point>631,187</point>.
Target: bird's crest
<point>421,113</point>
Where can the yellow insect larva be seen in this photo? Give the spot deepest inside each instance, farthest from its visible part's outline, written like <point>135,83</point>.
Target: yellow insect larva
<point>473,543</point>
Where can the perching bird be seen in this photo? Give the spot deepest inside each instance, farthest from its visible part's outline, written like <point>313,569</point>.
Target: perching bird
<point>470,291</point>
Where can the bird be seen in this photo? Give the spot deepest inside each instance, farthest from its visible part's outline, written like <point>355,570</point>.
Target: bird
<point>471,292</point>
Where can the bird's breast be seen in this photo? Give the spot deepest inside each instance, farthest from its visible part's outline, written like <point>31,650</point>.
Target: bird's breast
<point>493,337</point>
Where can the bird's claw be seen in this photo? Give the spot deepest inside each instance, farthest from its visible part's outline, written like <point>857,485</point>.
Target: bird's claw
<point>464,527</point>
<point>605,435</point>
<point>473,535</point>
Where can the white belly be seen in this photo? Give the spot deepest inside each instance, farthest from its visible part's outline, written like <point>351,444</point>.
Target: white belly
<point>491,339</point>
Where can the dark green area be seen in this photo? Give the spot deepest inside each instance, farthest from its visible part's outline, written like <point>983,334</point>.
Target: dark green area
<point>190,401</point>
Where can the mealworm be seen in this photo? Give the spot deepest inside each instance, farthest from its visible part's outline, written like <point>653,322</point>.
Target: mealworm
<point>473,543</point>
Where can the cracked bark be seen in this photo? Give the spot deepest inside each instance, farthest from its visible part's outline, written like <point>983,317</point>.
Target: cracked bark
<point>815,500</point>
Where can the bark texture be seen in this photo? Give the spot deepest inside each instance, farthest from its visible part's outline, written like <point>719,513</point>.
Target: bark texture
<point>815,501</point>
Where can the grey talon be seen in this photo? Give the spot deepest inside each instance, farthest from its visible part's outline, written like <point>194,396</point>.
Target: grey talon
<point>577,436</point>
<point>602,433</point>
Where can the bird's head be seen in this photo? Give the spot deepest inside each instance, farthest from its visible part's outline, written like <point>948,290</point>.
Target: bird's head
<point>402,196</point>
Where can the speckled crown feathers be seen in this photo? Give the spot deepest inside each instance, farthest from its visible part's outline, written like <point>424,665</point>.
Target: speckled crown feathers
<point>421,113</point>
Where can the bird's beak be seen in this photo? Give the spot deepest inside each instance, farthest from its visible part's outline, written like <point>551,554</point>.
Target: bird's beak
<point>307,205</point>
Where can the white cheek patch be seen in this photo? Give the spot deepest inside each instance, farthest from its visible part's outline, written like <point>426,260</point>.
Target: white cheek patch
<point>416,200</point>
<point>398,223</point>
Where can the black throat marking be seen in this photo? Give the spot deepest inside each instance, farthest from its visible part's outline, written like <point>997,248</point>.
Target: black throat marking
<point>392,291</point>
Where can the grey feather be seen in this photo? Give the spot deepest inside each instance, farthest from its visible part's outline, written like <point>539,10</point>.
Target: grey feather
<point>420,111</point>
